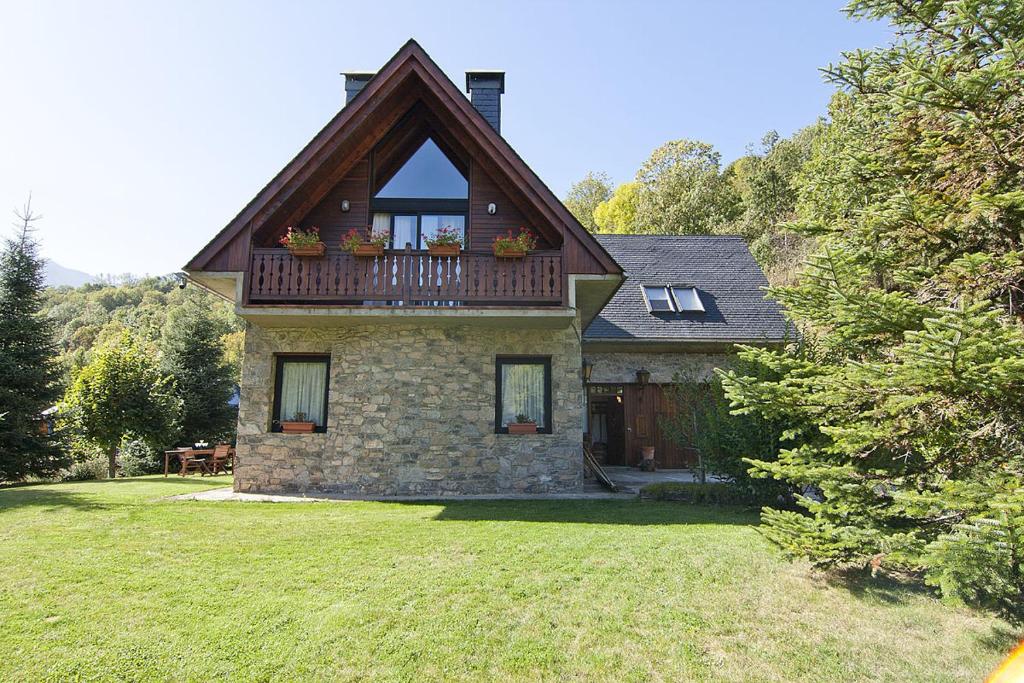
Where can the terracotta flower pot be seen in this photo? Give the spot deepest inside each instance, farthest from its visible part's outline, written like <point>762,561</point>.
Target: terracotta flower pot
<point>510,253</point>
<point>367,249</point>
<point>444,249</point>
<point>647,452</point>
<point>291,427</point>
<point>317,249</point>
<point>522,428</point>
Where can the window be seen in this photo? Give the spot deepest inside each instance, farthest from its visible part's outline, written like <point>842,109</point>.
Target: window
<point>523,387</point>
<point>428,174</point>
<point>687,300</point>
<point>657,299</point>
<point>415,229</point>
<point>664,299</point>
<point>300,390</point>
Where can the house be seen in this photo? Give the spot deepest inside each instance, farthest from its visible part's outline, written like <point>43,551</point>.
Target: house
<point>412,369</point>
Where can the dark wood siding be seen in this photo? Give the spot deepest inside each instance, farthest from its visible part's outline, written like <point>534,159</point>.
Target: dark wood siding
<point>645,407</point>
<point>483,227</point>
<point>328,216</point>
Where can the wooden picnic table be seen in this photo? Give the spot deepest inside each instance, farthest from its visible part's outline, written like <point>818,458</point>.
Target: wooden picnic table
<point>194,452</point>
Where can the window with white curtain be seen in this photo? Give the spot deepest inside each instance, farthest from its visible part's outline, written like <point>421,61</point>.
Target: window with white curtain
<point>300,391</point>
<point>523,387</point>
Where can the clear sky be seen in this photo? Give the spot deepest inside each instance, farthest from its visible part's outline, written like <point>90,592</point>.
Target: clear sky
<point>141,127</point>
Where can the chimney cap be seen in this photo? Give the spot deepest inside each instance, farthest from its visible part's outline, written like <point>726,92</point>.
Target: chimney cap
<point>492,78</point>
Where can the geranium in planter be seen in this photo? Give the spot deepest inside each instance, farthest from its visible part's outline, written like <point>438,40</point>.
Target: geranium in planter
<point>514,246</point>
<point>447,241</point>
<point>298,425</point>
<point>522,425</point>
<point>304,242</point>
<point>357,244</point>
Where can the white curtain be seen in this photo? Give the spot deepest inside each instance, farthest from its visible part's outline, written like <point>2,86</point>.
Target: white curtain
<point>522,393</point>
<point>382,224</point>
<point>302,391</point>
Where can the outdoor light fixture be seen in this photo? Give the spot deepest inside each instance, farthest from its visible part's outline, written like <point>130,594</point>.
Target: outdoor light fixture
<point>643,377</point>
<point>492,208</point>
<point>588,368</point>
<point>345,206</point>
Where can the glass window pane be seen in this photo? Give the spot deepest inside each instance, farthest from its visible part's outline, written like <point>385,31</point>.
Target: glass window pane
<point>405,232</point>
<point>302,391</point>
<point>522,393</point>
<point>429,226</point>
<point>428,174</point>
<point>687,299</point>
<point>657,298</point>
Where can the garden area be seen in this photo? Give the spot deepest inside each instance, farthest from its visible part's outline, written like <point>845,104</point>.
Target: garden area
<point>111,580</point>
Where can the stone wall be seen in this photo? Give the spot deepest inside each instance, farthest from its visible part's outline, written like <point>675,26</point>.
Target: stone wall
<point>620,368</point>
<point>410,412</point>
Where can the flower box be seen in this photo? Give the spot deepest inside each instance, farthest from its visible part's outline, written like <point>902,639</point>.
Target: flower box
<point>522,428</point>
<point>445,249</point>
<point>296,427</point>
<point>509,253</point>
<point>317,249</point>
<point>368,249</point>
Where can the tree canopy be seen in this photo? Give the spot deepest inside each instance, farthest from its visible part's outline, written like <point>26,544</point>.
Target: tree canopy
<point>904,392</point>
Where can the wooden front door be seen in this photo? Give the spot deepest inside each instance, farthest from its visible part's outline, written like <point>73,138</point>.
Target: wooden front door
<point>645,410</point>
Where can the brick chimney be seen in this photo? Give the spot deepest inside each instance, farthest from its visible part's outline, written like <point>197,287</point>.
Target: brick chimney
<point>485,89</point>
<point>354,83</point>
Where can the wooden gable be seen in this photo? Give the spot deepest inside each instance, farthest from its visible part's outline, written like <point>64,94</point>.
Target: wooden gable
<point>410,97</point>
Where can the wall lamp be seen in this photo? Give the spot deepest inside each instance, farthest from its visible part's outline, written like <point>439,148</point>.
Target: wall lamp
<point>345,205</point>
<point>588,369</point>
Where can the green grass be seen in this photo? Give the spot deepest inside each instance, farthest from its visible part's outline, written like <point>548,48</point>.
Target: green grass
<point>105,581</point>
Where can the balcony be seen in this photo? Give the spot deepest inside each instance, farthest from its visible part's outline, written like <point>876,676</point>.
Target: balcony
<point>404,278</point>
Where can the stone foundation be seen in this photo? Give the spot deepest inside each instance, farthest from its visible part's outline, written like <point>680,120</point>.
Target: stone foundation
<point>410,412</point>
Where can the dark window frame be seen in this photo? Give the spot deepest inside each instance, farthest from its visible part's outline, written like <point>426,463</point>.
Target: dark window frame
<point>419,223</point>
<point>279,362</point>
<point>500,361</point>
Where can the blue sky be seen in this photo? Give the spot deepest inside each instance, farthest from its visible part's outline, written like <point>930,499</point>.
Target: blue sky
<point>142,128</point>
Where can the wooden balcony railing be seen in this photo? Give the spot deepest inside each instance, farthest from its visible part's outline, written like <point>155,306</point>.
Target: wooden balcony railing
<point>404,278</point>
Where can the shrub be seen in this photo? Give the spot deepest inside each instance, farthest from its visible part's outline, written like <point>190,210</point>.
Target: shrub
<point>715,493</point>
<point>137,459</point>
<point>703,419</point>
<point>87,470</point>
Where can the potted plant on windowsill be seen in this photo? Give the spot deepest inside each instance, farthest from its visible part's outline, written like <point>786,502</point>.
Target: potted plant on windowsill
<point>303,242</point>
<point>514,246</point>
<point>356,244</point>
<point>445,242</point>
<point>522,425</point>
<point>298,425</point>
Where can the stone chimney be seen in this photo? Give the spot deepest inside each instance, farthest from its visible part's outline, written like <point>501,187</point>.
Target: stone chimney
<point>354,83</point>
<point>485,89</point>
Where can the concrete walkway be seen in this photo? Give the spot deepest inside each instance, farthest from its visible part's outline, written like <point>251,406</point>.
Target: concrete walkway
<point>226,494</point>
<point>628,479</point>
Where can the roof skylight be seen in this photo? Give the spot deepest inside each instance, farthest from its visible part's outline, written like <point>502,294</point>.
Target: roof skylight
<point>672,299</point>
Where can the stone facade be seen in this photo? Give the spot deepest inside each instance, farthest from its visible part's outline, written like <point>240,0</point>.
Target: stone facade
<point>620,368</point>
<point>410,412</point>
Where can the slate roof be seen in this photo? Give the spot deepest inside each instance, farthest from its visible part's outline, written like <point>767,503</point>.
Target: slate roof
<point>722,269</point>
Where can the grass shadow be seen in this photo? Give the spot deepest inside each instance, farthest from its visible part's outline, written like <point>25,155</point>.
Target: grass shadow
<point>883,589</point>
<point>1001,639</point>
<point>25,497</point>
<point>628,512</point>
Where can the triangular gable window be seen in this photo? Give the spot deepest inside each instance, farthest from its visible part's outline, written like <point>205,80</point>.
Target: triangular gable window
<point>428,174</point>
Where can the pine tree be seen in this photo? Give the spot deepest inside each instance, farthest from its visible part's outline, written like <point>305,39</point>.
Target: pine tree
<point>29,380</point>
<point>906,398</point>
<point>193,356</point>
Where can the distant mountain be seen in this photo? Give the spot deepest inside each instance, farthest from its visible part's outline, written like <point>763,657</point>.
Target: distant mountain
<point>58,276</point>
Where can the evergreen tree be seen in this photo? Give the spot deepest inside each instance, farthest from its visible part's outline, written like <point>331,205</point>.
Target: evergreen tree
<point>28,375</point>
<point>905,402</point>
<point>122,395</point>
<point>193,356</point>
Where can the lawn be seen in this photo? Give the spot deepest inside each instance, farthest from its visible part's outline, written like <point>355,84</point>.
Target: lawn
<point>108,581</point>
